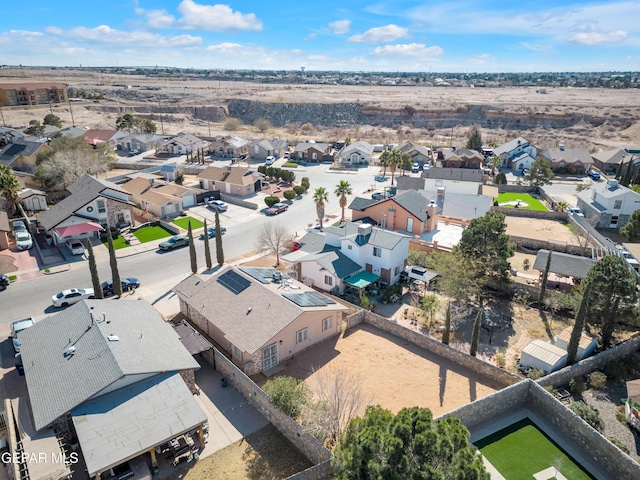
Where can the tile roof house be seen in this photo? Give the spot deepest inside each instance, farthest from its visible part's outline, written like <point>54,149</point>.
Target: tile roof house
<point>312,152</point>
<point>111,137</point>
<point>609,203</point>
<point>516,154</point>
<point>356,153</point>
<point>111,370</point>
<point>231,180</point>
<point>261,149</point>
<point>330,260</point>
<point>93,205</point>
<point>572,160</point>
<point>229,147</point>
<point>161,199</point>
<point>21,154</point>
<point>257,315</point>
<point>459,158</point>
<point>184,143</point>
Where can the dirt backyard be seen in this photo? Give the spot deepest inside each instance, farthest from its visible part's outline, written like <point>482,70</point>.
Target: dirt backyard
<point>546,230</point>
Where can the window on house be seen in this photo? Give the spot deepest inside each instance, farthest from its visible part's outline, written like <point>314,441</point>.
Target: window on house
<point>328,280</point>
<point>397,270</point>
<point>314,156</point>
<point>377,252</point>
<point>237,352</point>
<point>327,323</point>
<point>349,247</point>
<point>102,206</point>
<point>302,335</point>
<point>617,204</point>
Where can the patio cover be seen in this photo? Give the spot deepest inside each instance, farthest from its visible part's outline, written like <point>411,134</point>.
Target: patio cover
<point>77,229</point>
<point>362,279</point>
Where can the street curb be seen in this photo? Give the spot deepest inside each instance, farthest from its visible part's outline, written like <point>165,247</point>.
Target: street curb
<point>56,269</point>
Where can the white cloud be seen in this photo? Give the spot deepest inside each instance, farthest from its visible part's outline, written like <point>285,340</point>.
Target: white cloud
<point>409,50</point>
<point>481,59</point>
<point>597,38</point>
<point>340,27</point>
<point>226,47</point>
<point>311,36</point>
<point>215,17</point>
<point>103,34</point>
<point>159,19</point>
<point>388,33</point>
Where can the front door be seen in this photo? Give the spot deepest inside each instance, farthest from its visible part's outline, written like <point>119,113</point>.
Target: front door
<point>409,224</point>
<point>270,356</point>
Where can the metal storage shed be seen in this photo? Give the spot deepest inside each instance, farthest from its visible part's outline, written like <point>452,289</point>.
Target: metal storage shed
<point>586,346</point>
<point>543,356</point>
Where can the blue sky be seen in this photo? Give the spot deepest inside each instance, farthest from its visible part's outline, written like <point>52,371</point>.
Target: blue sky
<point>348,35</point>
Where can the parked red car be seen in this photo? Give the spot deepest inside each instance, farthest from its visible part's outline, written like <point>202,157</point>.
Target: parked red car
<point>277,208</point>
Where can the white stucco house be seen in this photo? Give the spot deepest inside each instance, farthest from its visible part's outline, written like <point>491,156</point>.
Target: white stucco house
<point>356,153</point>
<point>516,154</point>
<point>609,203</point>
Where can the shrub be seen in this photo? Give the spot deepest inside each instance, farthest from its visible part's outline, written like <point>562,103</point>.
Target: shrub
<point>389,291</point>
<point>618,443</point>
<point>298,189</point>
<point>290,164</point>
<point>232,123</point>
<point>307,127</point>
<point>271,200</point>
<point>577,386</point>
<point>534,374</point>
<point>289,194</point>
<point>551,390</point>
<point>621,416</point>
<point>501,358</point>
<point>620,369</point>
<point>262,169</point>
<point>305,184</point>
<point>597,380</point>
<point>288,393</point>
<point>588,414</point>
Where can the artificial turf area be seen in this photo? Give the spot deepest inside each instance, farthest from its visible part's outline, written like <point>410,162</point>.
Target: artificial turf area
<point>118,242</point>
<point>148,234</point>
<point>183,222</point>
<point>534,203</point>
<point>521,450</point>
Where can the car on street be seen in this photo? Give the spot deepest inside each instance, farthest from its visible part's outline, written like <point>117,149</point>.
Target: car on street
<point>128,284</point>
<point>212,232</point>
<point>75,247</point>
<point>174,242</point>
<point>218,205</point>
<point>17,327</point>
<point>594,175</point>
<point>277,208</point>
<point>71,296</point>
<point>4,281</point>
<point>23,240</point>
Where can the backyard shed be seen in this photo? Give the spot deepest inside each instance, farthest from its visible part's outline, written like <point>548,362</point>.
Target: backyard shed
<point>586,346</point>
<point>543,356</point>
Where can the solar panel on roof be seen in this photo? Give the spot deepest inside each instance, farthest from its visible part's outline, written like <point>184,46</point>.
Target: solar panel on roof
<point>308,299</point>
<point>262,274</point>
<point>15,149</point>
<point>233,282</point>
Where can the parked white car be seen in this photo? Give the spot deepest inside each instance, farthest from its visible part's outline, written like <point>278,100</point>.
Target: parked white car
<point>75,247</point>
<point>269,161</point>
<point>23,240</point>
<point>17,327</point>
<point>218,205</point>
<point>71,296</point>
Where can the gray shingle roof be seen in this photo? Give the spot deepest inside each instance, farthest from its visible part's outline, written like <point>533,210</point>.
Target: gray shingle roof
<point>146,345</point>
<point>414,203</point>
<point>409,183</point>
<point>612,155</point>
<point>379,238</point>
<point>361,203</point>
<point>568,155</point>
<point>509,146</point>
<point>334,261</point>
<point>460,205</point>
<point>10,152</point>
<point>83,191</point>
<point>564,264</point>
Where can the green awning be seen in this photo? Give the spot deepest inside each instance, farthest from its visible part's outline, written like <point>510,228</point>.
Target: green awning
<point>362,279</point>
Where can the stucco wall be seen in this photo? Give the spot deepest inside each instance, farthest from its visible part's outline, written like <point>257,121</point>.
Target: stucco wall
<point>396,217</point>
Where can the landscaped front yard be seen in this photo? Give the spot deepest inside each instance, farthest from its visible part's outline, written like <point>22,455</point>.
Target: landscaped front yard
<point>521,200</point>
<point>183,222</point>
<point>118,242</point>
<point>149,233</point>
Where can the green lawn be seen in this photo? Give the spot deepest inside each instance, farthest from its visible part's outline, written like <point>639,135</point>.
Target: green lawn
<point>183,222</point>
<point>521,450</point>
<point>148,234</point>
<point>118,242</point>
<point>534,203</point>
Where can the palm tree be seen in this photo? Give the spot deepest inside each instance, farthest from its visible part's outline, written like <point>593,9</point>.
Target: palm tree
<point>394,160</point>
<point>384,162</point>
<point>342,190</point>
<point>561,206</point>
<point>9,186</point>
<point>347,141</point>
<point>320,197</point>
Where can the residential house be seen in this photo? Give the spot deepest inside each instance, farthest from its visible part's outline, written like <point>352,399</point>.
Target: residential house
<point>231,147</point>
<point>261,149</point>
<point>455,180</point>
<point>72,131</point>
<point>459,206</point>
<point>516,154</point>
<point>231,180</point>
<point>32,93</point>
<point>313,152</point>
<point>141,141</point>
<point>112,374</point>
<point>33,200</point>
<point>459,158</point>
<point>184,143</point>
<point>419,154</point>
<point>258,316</point>
<point>161,199</point>
<point>21,154</point>
<point>9,135</point>
<point>5,230</point>
<point>608,204</point>
<point>407,212</point>
<point>94,204</point>
<point>572,160</point>
<point>110,137</point>
<point>609,161</point>
<point>356,153</point>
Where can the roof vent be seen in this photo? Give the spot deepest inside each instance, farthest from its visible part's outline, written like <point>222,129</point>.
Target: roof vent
<point>364,229</point>
<point>612,184</point>
<point>561,147</point>
<point>113,338</point>
<point>69,352</point>
<point>277,277</point>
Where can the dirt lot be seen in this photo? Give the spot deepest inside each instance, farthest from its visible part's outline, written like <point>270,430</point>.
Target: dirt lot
<point>547,230</point>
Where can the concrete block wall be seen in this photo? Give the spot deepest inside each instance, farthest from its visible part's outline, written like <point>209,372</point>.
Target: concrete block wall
<point>492,372</point>
<point>292,430</point>
<point>355,319</point>
<point>317,472</point>
<point>583,367</point>
<point>521,212</point>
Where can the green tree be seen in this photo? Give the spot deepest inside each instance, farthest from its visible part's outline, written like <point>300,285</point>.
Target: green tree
<point>342,190</point>
<point>455,275</point>
<point>428,306</point>
<point>298,189</point>
<point>347,141</point>
<point>394,159</point>
<point>447,325</point>
<point>475,141</point>
<point>51,119</point>
<point>626,178</point>
<point>612,286</point>
<point>486,247</point>
<point>540,173</point>
<point>93,270</point>
<point>305,183</point>
<point>289,194</point>
<point>562,206</point>
<point>289,394</point>
<point>320,198</point>
<point>475,334</point>
<point>146,125</point>
<point>409,445</point>
<point>271,200</point>
<point>495,163</point>
<point>578,327</point>
<point>500,179</point>
<point>219,249</point>
<point>632,229</point>
<point>113,263</point>
<point>383,161</point>
<point>545,278</point>
<point>10,187</point>
<point>35,128</point>
<point>179,178</point>
<point>192,249</point>
<point>125,122</point>
<point>207,247</point>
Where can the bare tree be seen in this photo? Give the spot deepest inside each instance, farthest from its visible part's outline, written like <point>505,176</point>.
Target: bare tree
<point>340,397</point>
<point>274,237</point>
